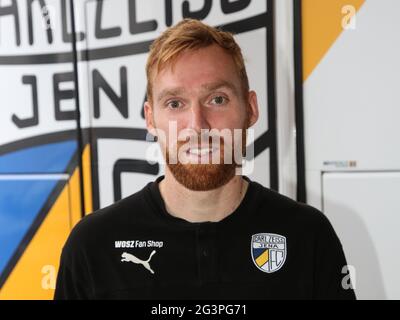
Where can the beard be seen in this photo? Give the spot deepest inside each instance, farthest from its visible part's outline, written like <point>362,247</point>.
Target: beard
<point>203,177</point>
<point>207,176</point>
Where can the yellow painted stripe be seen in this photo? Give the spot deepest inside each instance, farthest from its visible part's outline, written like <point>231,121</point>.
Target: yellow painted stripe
<point>75,198</point>
<point>87,188</point>
<point>35,274</point>
<point>87,179</point>
<point>322,25</point>
<point>263,258</point>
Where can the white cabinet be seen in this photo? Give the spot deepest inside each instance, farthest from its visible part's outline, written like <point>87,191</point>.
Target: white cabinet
<point>364,209</point>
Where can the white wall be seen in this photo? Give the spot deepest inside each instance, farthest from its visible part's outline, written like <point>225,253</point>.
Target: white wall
<point>351,114</point>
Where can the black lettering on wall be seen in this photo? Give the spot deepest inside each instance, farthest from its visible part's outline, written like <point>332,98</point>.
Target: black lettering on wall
<point>34,120</point>
<point>142,110</point>
<point>139,27</point>
<point>99,32</point>
<point>12,9</point>
<point>168,13</point>
<point>200,14</point>
<point>67,36</point>
<point>63,95</point>
<point>121,102</point>
<point>229,6</point>
<point>131,165</point>
<point>46,18</point>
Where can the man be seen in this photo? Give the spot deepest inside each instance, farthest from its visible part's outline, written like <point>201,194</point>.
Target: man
<point>203,230</point>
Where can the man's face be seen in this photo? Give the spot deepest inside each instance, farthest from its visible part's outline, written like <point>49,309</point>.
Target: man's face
<point>201,91</point>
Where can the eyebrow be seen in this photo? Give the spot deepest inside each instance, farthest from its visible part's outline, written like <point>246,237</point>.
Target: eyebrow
<point>209,87</point>
<point>170,92</point>
<point>220,84</point>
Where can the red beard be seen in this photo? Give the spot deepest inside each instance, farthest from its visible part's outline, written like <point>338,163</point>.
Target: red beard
<point>204,177</point>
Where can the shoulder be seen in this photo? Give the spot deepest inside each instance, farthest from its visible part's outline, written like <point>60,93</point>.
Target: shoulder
<point>97,226</point>
<point>285,210</point>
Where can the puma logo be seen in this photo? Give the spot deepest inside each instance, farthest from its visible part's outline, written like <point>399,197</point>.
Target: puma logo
<point>131,258</point>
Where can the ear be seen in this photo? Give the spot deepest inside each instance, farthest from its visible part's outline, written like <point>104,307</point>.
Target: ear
<point>252,108</point>
<point>149,116</point>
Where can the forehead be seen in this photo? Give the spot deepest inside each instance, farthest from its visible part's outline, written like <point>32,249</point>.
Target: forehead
<point>195,68</point>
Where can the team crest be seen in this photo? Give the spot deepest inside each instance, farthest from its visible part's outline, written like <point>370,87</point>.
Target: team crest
<point>268,251</point>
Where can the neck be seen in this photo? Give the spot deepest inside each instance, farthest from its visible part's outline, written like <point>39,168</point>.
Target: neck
<point>201,206</point>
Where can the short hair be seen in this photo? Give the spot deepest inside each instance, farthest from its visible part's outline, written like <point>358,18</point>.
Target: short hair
<point>191,34</point>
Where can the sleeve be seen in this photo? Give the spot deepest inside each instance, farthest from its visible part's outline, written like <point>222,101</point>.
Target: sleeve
<point>332,279</point>
<point>69,286</point>
<point>73,279</point>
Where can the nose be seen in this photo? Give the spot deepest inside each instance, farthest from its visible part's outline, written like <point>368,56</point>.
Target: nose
<point>198,118</point>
